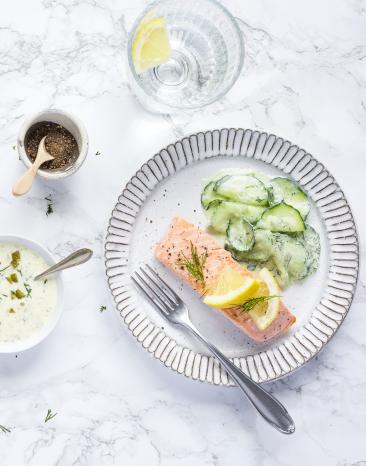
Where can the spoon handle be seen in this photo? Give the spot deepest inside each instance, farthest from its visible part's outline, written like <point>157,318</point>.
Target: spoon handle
<point>25,182</point>
<point>76,258</point>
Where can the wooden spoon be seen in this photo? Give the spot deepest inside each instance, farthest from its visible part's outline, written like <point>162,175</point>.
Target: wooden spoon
<point>25,182</point>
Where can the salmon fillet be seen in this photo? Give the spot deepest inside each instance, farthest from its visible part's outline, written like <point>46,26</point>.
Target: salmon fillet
<point>177,241</point>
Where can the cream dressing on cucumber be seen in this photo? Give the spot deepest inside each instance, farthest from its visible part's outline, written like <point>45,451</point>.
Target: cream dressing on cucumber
<point>25,305</point>
<point>276,209</point>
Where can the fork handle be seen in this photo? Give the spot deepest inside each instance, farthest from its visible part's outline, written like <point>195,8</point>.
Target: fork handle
<point>266,404</point>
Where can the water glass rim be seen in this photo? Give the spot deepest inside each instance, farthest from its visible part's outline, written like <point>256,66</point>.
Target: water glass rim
<point>225,90</point>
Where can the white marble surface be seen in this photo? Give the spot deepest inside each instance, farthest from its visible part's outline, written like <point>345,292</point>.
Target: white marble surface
<point>304,79</point>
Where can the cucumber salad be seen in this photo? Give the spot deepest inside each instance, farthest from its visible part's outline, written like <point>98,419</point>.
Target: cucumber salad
<point>264,222</point>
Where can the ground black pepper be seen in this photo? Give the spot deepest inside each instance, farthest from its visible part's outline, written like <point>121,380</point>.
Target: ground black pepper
<point>60,143</point>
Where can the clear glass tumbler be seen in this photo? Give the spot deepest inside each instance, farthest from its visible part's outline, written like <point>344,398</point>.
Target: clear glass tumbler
<point>206,60</point>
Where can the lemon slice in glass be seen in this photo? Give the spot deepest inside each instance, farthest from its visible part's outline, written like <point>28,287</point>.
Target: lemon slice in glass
<point>150,46</point>
<point>231,288</point>
<point>266,311</point>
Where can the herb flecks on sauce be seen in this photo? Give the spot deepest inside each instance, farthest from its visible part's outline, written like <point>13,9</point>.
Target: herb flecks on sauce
<point>25,305</point>
<point>102,308</point>
<point>194,264</point>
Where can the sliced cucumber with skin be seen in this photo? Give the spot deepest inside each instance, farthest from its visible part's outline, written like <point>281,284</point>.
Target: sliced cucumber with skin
<point>290,256</point>
<point>220,215</point>
<point>239,235</point>
<point>208,195</point>
<point>279,271</point>
<point>242,188</point>
<point>280,252</point>
<point>282,218</point>
<point>285,190</point>
<point>260,252</point>
<point>221,212</point>
<point>263,220</point>
<point>265,179</point>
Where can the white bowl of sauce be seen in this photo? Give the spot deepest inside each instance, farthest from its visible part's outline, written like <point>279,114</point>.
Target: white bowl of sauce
<point>29,309</point>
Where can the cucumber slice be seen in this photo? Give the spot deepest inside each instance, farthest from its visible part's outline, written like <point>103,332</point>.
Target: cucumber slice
<point>279,271</point>
<point>220,215</point>
<point>282,218</point>
<point>265,179</point>
<point>242,188</point>
<point>290,257</point>
<point>285,255</point>
<point>261,251</point>
<point>285,190</point>
<point>221,212</point>
<point>208,195</point>
<point>239,235</point>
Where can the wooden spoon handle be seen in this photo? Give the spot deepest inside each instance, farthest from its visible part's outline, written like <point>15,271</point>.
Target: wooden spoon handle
<point>25,182</point>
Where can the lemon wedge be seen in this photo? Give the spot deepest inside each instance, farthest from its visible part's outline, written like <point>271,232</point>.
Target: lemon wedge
<point>231,288</point>
<point>151,45</point>
<point>265,312</point>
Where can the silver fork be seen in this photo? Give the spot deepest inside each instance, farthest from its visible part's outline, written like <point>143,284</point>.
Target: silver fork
<point>169,304</point>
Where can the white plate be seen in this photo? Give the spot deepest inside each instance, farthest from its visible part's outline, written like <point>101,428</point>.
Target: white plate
<point>170,184</point>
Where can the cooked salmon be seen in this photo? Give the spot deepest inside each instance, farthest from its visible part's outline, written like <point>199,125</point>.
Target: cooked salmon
<point>177,242</point>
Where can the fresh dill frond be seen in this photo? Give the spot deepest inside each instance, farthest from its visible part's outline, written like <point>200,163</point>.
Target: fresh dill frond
<point>251,303</point>
<point>4,429</point>
<point>194,264</point>
<point>49,415</point>
<point>49,209</point>
<point>28,288</point>
<point>2,270</point>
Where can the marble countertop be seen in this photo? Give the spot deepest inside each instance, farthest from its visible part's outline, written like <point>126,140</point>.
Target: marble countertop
<point>304,79</point>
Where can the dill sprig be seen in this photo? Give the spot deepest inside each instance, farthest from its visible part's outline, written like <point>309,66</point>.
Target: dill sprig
<point>28,288</point>
<point>194,264</point>
<point>49,209</point>
<point>49,415</point>
<point>251,303</point>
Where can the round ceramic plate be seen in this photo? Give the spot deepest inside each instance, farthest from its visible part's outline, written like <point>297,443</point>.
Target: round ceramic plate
<point>169,185</point>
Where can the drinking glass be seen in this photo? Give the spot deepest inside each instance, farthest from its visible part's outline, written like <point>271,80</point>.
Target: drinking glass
<point>207,54</point>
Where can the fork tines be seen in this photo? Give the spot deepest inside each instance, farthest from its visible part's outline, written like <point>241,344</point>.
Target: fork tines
<point>156,290</point>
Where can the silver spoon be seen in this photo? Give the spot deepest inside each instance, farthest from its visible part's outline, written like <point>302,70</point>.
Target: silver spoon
<point>76,258</point>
